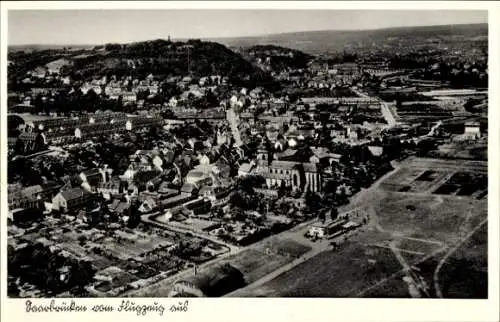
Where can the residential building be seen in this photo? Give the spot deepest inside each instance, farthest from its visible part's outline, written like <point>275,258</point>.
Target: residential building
<point>129,97</point>
<point>323,229</point>
<point>71,199</point>
<point>110,188</point>
<point>472,131</point>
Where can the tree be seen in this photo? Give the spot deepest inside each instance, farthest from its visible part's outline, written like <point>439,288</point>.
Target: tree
<point>81,274</point>
<point>12,289</point>
<point>242,199</point>
<point>342,196</point>
<point>19,147</point>
<point>304,153</point>
<point>313,201</point>
<point>322,216</point>
<point>247,183</point>
<point>40,144</point>
<point>134,218</point>
<point>81,240</point>
<point>334,213</point>
<point>282,190</point>
<point>219,213</point>
<point>113,47</point>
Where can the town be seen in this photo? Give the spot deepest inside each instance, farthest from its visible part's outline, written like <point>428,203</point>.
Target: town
<point>191,168</point>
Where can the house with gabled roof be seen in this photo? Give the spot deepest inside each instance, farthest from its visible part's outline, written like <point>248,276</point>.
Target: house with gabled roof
<point>72,199</point>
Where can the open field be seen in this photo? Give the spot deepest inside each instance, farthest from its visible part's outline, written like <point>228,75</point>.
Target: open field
<point>394,287</point>
<point>445,165</point>
<point>443,177</point>
<point>413,237</point>
<point>434,217</point>
<point>418,247</point>
<point>195,224</point>
<point>326,275</point>
<point>465,150</point>
<point>358,267</point>
<point>464,274</point>
<point>416,111</point>
<point>256,262</point>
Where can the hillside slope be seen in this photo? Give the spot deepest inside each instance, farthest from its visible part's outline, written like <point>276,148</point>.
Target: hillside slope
<point>316,42</point>
<point>275,58</point>
<point>158,57</point>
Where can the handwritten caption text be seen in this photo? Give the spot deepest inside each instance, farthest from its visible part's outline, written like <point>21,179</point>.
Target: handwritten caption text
<point>126,306</point>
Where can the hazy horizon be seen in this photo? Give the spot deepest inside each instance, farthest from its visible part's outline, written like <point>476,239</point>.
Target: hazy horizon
<point>97,27</point>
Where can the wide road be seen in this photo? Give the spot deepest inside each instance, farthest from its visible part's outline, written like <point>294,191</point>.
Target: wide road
<point>387,112</point>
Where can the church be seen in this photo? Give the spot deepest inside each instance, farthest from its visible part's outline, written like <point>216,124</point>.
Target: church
<point>297,175</point>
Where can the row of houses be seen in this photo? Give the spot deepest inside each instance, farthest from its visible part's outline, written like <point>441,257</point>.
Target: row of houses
<point>339,100</point>
<point>64,131</point>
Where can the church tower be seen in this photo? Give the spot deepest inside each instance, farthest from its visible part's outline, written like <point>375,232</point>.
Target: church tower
<point>262,155</point>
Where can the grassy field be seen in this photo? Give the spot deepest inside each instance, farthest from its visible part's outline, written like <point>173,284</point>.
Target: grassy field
<point>255,263</point>
<point>464,274</point>
<point>425,175</point>
<point>195,224</point>
<point>394,287</point>
<point>415,180</point>
<point>433,217</point>
<point>403,176</point>
<point>342,273</point>
<point>417,246</point>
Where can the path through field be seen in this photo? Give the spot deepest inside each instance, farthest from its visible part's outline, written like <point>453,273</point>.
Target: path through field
<point>437,287</point>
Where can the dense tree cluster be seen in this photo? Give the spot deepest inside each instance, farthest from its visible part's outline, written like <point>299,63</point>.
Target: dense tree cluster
<point>49,271</point>
<point>164,58</point>
<point>279,58</point>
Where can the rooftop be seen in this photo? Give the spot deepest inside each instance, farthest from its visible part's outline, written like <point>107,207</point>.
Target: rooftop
<point>246,167</point>
<point>74,193</point>
<point>288,165</point>
<point>31,190</point>
<point>330,223</point>
<point>310,167</point>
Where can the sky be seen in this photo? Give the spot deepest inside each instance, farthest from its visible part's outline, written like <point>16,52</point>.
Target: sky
<point>74,27</point>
